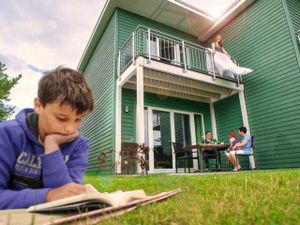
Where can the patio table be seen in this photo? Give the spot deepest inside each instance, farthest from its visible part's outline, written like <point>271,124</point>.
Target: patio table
<point>208,147</point>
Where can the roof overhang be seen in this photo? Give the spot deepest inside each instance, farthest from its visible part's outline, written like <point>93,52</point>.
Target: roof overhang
<point>173,13</point>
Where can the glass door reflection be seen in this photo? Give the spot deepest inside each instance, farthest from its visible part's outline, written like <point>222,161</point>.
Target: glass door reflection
<point>161,140</point>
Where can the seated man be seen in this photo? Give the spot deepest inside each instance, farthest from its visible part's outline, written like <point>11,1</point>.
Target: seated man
<point>243,147</point>
<point>210,154</point>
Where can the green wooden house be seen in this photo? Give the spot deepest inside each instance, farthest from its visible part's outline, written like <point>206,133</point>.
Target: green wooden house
<point>147,64</point>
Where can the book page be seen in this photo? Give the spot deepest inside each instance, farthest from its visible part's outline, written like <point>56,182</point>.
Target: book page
<point>122,198</point>
<point>92,199</point>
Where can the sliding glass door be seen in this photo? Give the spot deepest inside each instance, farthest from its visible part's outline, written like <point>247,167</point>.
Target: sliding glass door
<point>162,127</point>
<point>161,140</point>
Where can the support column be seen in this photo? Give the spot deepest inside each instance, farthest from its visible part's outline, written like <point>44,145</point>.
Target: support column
<point>213,120</point>
<point>246,121</point>
<point>150,139</point>
<point>193,139</point>
<point>140,129</point>
<point>118,134</point>
<point>173,138</point>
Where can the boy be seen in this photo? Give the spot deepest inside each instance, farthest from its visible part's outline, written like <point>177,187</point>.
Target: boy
<point>42,155</point>
<point>209,154</point>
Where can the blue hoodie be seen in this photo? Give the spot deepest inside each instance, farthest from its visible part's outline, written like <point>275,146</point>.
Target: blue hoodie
<point>26,173</point>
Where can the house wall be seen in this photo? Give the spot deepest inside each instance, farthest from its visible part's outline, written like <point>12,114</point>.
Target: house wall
<point>98,127</point>
<point>129,98</point>
<point>228,117</point>
<point>127,22</point>
<point>294,11</point>
<point>261,39</point>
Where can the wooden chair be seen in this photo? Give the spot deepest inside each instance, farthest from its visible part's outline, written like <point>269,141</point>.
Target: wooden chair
<point>247,155</point>
<point>182,154</point>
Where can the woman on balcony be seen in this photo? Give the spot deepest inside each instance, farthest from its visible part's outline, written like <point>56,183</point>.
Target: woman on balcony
<point>217,45</point>
<point>222,62</point>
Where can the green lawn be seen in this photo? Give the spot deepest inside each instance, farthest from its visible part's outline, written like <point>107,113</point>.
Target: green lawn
<point>258,197</point>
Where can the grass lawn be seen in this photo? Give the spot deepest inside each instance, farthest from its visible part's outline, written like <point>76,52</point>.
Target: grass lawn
<point>258,197</point>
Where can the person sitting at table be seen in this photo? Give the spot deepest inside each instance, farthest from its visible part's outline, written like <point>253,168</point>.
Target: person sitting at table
<point>208,154</point>
<point>233,140</point>
<point>243,147</point>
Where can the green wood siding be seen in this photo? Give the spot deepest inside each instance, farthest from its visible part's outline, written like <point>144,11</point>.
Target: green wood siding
<point>98,127</point>
<point>128,119</point>
<point>228,117</point>
<point>129,98</point>
<point>260,38</point>
<point>294,11</point>
<point>128,21</point>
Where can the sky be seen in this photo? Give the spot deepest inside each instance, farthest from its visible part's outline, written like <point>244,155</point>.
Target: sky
<point>39,35</point>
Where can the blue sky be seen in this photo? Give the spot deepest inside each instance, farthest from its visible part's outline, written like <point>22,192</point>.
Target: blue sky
<point>38,35</point>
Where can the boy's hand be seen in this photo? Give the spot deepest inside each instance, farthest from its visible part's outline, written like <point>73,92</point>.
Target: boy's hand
<point>64,191</point>
<point>53,141</point>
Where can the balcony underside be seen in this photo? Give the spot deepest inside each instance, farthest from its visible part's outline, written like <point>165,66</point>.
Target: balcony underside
<point>171,85</point>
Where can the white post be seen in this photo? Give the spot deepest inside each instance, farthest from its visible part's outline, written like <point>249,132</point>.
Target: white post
<point>173,138</point>
<point>149,45</point>
<point>140,132</point>
<point>119,65</point>
<point>184,56</point>
<point>213,120</point>
<point>118,128</point>
<point>150,138</point>
<point>193,138</point>
<point>212,59</point>
<point>246,121</point>
<point>133,48</point>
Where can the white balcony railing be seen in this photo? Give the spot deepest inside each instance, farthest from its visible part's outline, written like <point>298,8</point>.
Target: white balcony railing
<point>298,36</point>
<point>156,45</point>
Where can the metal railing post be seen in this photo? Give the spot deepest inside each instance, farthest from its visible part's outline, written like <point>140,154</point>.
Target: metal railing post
<point>213,65</point>
<point>119,66</point>
<point>184,56</point>
<point>298,36</point>
<point>149,45</point>
<point>133,48</point>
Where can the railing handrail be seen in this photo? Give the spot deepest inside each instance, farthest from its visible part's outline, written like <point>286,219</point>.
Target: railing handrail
<point>154,31</point>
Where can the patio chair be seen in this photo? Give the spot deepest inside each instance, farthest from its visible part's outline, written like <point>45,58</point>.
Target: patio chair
<point>182,154</point>
<point>129,156</point>
<point>247,155</point>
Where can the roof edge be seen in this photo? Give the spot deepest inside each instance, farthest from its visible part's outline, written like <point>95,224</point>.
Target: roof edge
<point>90,46</point>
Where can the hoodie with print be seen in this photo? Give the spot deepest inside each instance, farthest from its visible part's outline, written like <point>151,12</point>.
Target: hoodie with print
<point>26,173</point>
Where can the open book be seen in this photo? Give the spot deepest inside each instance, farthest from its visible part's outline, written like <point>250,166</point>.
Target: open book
<point>90,200</point>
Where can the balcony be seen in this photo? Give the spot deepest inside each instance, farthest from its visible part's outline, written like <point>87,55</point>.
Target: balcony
<point>161,47</point>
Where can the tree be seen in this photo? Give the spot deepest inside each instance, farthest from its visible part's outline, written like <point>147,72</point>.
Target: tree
<point>6,85</point>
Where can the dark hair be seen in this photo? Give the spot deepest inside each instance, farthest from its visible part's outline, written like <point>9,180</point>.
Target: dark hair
<point>67,86</point>
<point>232,133</point>
<point>243,129</point>
<point>206,132</point>
<point>220,43</point>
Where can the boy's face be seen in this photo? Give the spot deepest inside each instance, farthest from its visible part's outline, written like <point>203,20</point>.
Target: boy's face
<point>209,135</point>
<point>241,133</point>
<point>56,119</point>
